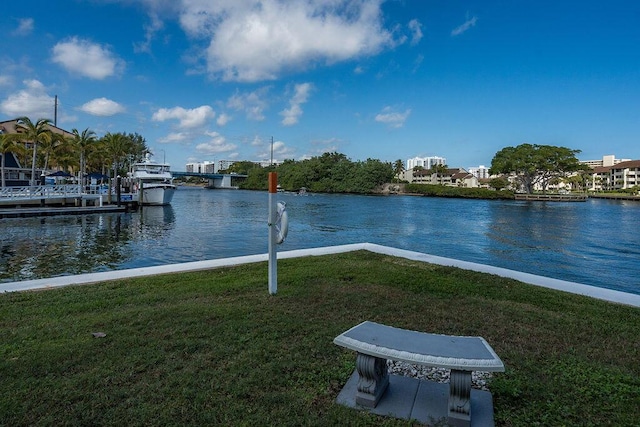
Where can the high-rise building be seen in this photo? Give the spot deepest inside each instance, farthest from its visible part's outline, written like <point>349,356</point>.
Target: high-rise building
<point>204,167</point>
<point>480,172</point>
<point>425,162</point>
<point>608,160</point>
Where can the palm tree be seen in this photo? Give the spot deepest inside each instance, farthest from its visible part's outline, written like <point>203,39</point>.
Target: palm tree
<point>398,168</point>
<point>83,142</point>
<point>118,146</point>
<point>51,147</point>
<point>439,169</point>
<point>65,155</point>
<point>8,144</point>
<point>34,133</point>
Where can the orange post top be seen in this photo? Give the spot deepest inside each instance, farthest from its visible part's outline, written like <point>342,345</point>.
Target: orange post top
<point>273,182</point>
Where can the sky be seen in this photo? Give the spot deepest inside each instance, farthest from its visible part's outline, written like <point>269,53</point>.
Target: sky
<point>210,80</point>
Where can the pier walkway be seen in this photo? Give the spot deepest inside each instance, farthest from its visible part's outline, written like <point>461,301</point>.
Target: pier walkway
<point>17,195</point>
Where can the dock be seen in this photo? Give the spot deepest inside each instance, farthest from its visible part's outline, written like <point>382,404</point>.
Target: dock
<point>53,200</point>
<point>552,197</point>
<point>615,197</point>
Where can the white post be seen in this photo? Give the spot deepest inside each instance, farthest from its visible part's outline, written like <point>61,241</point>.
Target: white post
<point>273,257</point>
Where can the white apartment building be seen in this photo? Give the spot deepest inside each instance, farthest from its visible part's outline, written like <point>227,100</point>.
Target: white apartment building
<point>620,176</point>
<point>425,162</point>
<point>606,161</point>
<point>204,167</point>
<point>480,172</point>
<point>224,164</point>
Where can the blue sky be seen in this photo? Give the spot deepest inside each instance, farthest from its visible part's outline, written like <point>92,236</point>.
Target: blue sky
<point>217,79</point>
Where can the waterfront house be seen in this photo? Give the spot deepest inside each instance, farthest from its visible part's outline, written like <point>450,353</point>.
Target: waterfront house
<point>454,177</point>
<point>15,174</point>
<point>621,176</point>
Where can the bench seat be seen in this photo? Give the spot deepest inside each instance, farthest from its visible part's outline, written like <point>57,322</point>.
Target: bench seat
<point>375,343</point>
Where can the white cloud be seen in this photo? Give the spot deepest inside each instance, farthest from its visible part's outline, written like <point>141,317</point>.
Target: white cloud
<point>416,30</point>
<point>223,119</point>
<point>417,62</point>
<point>321,146</point>
<point>87,59</point>
<point>291,114</point>
<point>175,137</point>
<point>216,144</point>
<point>193,118</point>
<point>150,31</point>
<point>32,101</point>
<point>392,118</point>
<point>102,107</point>
<point>252,103</point>
<point>254,40</point>
<point>464,27</point>
<point>280,151</point>
<point>25,27</point>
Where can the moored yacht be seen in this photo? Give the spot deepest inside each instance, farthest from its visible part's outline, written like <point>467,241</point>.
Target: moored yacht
<point>153,182</point>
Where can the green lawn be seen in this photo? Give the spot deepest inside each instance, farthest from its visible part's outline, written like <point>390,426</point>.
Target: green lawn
<point>214,348</point>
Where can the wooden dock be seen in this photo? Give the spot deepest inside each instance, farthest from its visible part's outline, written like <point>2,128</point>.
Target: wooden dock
<point>615,197</point>
<point>552,197</point>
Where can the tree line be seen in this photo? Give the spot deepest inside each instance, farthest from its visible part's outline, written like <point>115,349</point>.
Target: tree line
<point>530,165</point>
<point>328,173</point>
<point>83,152</point>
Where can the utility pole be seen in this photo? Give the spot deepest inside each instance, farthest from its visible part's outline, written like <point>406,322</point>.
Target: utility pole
<point>271,164</point>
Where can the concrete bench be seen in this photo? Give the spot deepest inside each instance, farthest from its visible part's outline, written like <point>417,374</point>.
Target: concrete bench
<point>375,343</point>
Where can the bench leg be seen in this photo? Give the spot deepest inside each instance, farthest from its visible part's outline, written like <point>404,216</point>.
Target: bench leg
<point>460,398</point>
<point>373,379</point>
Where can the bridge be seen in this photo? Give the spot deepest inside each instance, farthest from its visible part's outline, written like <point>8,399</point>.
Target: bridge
<point>216,180</point>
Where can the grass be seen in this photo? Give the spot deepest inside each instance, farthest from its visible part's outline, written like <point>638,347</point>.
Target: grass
<point>213,348</point>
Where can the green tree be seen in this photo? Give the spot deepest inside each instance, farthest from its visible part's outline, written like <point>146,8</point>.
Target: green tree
<point>499,183</point>
<point>398,168</point>
<point>83,141</point>
<point>257,178</point>
<point>64,154</point>
<point>439,170</point>
<point>118,148</point>
<point>34,133</point>
<point>536,164</point>
<point>137,147</point>
<point>242,167</point>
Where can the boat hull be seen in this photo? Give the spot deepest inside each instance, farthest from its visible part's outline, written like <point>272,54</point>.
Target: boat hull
<point>157,194</point>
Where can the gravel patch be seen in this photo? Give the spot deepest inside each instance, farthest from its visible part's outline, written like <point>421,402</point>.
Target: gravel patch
<point>479,379</point>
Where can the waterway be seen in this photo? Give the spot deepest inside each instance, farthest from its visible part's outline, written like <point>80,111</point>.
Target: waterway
<point>593,242</point>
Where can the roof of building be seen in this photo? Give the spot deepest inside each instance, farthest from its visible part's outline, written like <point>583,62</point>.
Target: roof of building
<point>9,126</point>
<point>627,165</point>
<point>462,175</point>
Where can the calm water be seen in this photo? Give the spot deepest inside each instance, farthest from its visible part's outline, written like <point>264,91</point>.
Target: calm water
<point>594,243</point>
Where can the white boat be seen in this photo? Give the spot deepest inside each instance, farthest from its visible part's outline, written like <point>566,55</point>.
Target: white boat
<point>153,182</point>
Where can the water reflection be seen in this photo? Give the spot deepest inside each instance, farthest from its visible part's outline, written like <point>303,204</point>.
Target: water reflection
<point>156,220</point>
<point>45,247</point>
